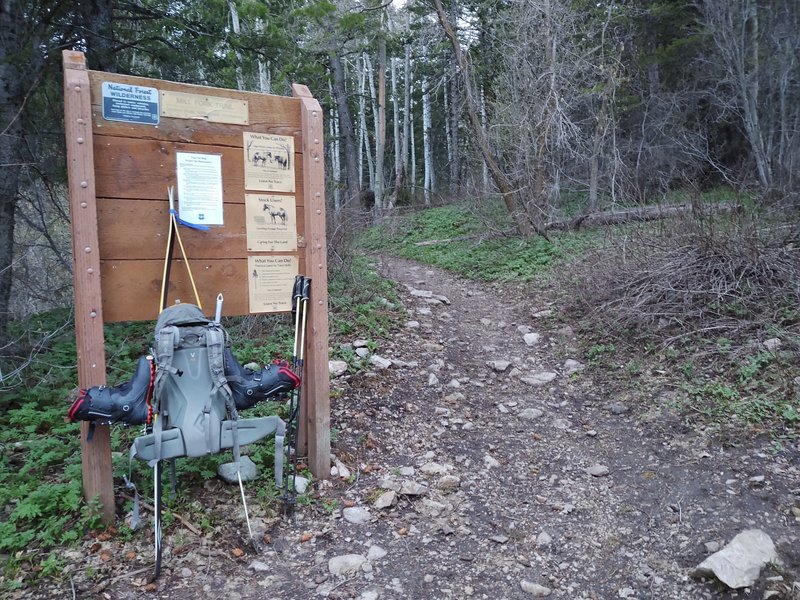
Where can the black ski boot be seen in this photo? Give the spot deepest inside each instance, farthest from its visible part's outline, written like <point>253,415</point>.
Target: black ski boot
<point>127,403</point>
<point>250,388</point>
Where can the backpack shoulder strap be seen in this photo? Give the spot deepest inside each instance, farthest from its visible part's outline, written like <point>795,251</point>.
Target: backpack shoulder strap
<point>216,340</point>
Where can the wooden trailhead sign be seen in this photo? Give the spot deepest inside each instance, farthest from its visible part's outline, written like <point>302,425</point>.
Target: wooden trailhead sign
<point>247,168</point>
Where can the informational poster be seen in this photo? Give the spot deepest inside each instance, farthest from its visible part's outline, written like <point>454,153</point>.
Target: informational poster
<point>214,109</point>
<point>200,188</point>
<point>270,222</point>
<point>268,162</point>
<point>130,103</point>
<point>271,280</point>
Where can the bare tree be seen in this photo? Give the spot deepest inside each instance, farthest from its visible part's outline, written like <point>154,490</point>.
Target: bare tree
<point>756,55</point>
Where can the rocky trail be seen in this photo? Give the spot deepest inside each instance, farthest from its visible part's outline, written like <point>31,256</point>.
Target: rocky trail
<point>478,458</point>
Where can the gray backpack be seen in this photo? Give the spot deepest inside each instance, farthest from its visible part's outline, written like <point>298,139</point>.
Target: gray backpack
<point>194,410</point>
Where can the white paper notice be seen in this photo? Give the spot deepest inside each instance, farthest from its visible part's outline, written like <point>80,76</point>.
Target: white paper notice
<point>200,188</point>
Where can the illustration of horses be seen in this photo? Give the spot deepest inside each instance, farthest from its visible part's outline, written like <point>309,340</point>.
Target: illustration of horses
<point>276,214</point>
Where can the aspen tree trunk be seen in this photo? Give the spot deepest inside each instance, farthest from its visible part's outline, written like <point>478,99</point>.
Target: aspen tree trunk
<point>485,179</point>
<point>447,136</point>
<point>336,167</point>
<point>398,159</point>
<point>427,150</point>
<point>455,101</point>
<point>412,143</point>
<point>236,29</point>
<point>407,89</point>
<point>264,78</point>
<point>362,116</point>
<point>380,130</point>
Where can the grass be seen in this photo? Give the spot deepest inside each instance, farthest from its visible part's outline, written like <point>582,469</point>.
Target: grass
<point>40,471</point>
<point>475,245</point>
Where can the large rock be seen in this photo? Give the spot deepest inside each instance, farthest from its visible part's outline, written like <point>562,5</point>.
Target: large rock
<point>346,563</point>
<point>337,368</point>
<point>538,378</point>
<point>248,471</point>
<point>739,563</point>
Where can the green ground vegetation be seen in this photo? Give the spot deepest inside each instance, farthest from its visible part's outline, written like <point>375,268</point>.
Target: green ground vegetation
<point>40,470</point>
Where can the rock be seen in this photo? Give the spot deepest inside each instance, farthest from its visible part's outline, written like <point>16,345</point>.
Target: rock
<point>454,383</point>
<point>370,595</point>
<point>499,539</point>
<point>360,343</point>
<point>541,314</point>
<point>386,500</point>
<point>412,488</point>
<point>566,332</point>
<point>712,546</point>
<point>337,368</point>
<point>772,344</point>
<point>248,471</point>
<point>424,311</point>
<point>454,397</point>
<point>433,468</point>
<point>186,572</point>
<point>422,293</point>
<point>626,592</point>
<point>498,365</point>
<point>442,299</point>
<point>591,433</point>
<point>544,539</point>
<point>539,378</point>
<point>340,470</point>
<point>562,423</point>
<point>534,589</point>
<point>598,470</point>
<point>430,508</point>
<point>345,564</point>
<point>257,565</point>
<point>362,352</point>
<point>531,339</point>
<point>573,366</point>
<point>491,461</point>
<point>530,414</point>
<point>300,484</point>
<point>523,329</point>
<point>739,563</point>
<point>412,324</point>
<point>617,408</point>
<point>433,380</point>
<point>448,484</point>
<point>356,515</point>
<point>376,552</point>
<point>379,362</point>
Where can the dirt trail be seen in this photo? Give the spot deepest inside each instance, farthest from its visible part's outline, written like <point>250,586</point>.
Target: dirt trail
<point>491,469</point>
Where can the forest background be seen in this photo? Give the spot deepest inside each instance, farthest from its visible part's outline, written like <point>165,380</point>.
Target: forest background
<point>559,107</point>
<point>483,136</point>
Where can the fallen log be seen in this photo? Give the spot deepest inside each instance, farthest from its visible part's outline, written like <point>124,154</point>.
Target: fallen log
<point>599,219</point>
<point>639,214</point>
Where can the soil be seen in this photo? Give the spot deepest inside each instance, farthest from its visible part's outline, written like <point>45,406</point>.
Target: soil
<point>493,500</point>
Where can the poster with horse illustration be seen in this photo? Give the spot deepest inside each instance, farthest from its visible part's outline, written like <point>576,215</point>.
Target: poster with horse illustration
<point>268,162</point>
<point>271,223</point>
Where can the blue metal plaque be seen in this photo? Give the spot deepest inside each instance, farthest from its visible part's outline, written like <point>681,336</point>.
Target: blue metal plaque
<point>130,103</point>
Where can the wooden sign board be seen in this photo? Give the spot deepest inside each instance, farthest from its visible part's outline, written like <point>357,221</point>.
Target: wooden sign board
<point>125,139</point>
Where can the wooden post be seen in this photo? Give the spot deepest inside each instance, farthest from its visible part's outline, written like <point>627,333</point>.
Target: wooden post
<point>95,454</point>
<point>315,411</point>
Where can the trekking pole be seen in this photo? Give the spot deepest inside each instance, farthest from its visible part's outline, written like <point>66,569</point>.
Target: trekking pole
<point>300,295</point>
